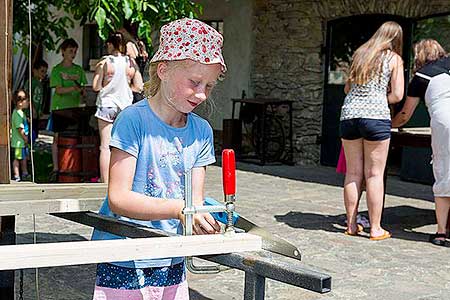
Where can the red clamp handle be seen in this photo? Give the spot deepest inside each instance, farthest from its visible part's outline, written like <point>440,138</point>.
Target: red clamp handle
<point>228,172</point>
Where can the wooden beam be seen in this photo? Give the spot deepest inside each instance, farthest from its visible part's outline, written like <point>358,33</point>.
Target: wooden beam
<point>88,252</point>
<point>31,191</point>
<point>7,224</point>
<point>6,36</point>
<point>29,207</point>
<point>30,198</point>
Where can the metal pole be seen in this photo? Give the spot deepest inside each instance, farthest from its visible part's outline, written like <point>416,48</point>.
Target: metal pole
<point>254,288</point>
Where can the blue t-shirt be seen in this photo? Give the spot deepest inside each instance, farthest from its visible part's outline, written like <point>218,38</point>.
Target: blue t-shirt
<point>163,155</point>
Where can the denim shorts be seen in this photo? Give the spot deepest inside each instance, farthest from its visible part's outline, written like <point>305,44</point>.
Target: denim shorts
<point>368,129</point>
<point>108,114</point>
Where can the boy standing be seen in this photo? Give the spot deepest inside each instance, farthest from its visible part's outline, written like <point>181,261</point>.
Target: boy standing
<point>68,80</point>
<point>19,135</point>
<point>39,72</point>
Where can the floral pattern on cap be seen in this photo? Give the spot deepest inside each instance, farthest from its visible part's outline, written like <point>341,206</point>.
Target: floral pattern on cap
<point>190,39</point>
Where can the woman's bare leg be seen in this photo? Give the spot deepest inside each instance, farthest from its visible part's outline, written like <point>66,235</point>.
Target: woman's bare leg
<point>375,156</point>
<point>353,180</point>
<point>442,208</point>
<point>104,129</point>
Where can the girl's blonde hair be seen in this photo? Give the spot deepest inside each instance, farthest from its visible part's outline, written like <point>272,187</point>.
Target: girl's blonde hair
<point>152,86</point>
<point>426,51</point>
<point>367,59</point>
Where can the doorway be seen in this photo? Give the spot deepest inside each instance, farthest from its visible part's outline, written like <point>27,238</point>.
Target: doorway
<point>344,36</point>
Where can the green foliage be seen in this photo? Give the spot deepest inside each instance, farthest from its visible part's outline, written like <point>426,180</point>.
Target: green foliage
<point>437,28</point>
<point>49,27</point>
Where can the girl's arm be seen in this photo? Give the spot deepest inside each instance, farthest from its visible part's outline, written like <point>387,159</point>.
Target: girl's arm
<point>98,77</point>
<point>347,87</point>
<point>397,80</point>
<point>137,84</point>
<point>405,114</point>
<point>24,136</point>
<point>132,50</point>
<point>65,90</point>
<point>125,202</point>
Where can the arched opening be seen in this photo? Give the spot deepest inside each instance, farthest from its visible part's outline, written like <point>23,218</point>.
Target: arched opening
<point>343,37</point>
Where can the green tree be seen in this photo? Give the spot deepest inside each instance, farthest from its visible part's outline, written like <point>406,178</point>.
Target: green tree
<point>49,25</point>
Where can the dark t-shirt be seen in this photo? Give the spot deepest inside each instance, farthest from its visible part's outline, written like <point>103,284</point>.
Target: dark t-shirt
<point>419,84</point>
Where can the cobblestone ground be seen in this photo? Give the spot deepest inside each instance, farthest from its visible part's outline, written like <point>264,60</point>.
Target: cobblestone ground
<point>303,205</point>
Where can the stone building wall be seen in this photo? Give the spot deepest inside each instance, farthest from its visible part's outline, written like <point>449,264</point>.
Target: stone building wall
<point>287,57</point>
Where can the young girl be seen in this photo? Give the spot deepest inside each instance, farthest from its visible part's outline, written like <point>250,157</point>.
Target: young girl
<point>376,79</point>
<point>114,76</point>
<point>153,143</point>
<point>19,135</point>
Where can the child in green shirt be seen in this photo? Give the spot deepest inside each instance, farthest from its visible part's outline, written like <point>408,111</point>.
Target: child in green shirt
<point>19,135</point>
<point>68,79</point>
<point>37,91</point>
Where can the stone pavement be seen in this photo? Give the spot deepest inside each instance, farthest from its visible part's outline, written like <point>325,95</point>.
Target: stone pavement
<point>303,205</point>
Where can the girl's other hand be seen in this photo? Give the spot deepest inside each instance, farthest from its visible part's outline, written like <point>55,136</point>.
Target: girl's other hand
<point>202,223</point>
<point>205,224</point>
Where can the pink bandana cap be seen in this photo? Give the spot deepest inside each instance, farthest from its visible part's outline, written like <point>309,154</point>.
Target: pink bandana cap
<point>190,39</point>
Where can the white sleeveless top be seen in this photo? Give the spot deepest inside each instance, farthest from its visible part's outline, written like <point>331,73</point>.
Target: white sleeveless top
<point>117,93</point>
<point>369,100</point>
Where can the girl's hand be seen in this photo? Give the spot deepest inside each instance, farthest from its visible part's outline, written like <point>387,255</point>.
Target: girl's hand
<point>202,223</point>
<point>205,224</point>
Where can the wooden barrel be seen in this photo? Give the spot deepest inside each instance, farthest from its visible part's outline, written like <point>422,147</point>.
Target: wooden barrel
<point>69,159</point>
<point>90,156</point>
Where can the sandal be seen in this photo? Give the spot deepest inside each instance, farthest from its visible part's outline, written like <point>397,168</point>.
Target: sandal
<point>359,229</point>
<point>436,239</point>
<point>386,235</point>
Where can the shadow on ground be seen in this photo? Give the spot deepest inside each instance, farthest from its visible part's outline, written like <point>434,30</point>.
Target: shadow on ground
<point>328,176</point>
<point>400,220</point>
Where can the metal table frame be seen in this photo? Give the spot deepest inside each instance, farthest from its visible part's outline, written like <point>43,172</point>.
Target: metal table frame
<point>266,103</point>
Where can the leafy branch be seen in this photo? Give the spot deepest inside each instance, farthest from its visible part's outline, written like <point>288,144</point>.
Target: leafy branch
<point>49,24</point>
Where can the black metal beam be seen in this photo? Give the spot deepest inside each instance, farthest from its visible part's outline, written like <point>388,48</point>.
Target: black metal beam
<point>259,264</point>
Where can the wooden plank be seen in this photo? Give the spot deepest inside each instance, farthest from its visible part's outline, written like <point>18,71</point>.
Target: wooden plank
<point>28,207</point>
<point>6,36</point>
<point>411,137</point>
<point>31,191</point>
<point>31,198</point>
<point>7,226</point>
<point>88,252</point>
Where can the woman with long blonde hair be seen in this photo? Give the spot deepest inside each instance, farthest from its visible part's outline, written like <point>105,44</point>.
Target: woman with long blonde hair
<point>431,82</point>
<point>375,81</point>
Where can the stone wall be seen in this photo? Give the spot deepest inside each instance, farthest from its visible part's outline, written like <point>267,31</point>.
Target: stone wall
<point>287,59</point>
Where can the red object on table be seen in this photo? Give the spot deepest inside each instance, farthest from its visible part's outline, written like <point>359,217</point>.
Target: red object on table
<point>228,172</point>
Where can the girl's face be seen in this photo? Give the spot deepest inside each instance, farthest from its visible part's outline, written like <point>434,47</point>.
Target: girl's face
<point>186,84</point>
<point>22,100</point>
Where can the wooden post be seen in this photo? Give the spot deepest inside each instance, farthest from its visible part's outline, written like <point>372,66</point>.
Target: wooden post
<point>5,86</point>
<point>7,224</point>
